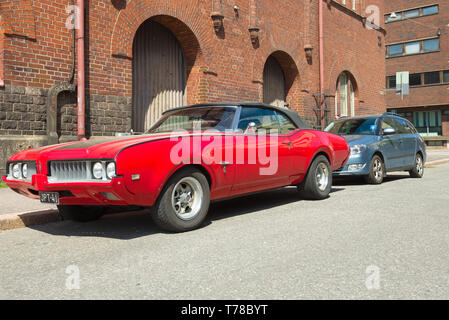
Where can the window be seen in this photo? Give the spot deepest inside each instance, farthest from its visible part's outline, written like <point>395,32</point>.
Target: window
<point>286,126</point>
<point>446,76</point>
<point>398,17</point>
<point>391,82</point>
<point>431,45</point>
<point>403,127</point>
<point>388,123</point>
<point>430,10</point>
<point>446,112</point>
<point>412,47</point>
<point>411,13</point>
<point>345,96</point>
<point>263,118</point>
<point>432,77</point>
<point>357,126</point>
<point>395,50</point>
<point>415,79</point>
<point>198,118</point>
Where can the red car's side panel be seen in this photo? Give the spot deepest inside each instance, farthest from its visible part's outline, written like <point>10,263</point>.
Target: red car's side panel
<point>156,158</point>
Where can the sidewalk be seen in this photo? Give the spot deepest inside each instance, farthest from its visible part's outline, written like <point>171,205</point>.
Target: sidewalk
<point>437,154</point>
<point>13,203</point>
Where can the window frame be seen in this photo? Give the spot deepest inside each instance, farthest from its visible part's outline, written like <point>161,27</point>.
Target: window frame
<point>401,14</point>
<point>404,45</point>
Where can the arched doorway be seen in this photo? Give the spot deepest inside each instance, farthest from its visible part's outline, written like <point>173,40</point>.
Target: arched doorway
<point>274,88</point>
<point>159,74</point>
<point>345,95</point>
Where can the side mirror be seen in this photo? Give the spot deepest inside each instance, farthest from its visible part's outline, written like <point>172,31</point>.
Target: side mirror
<point>389,131</point>
<point>252,128</point>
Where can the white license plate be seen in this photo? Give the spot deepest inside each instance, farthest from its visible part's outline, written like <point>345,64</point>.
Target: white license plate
<point>49,197</point>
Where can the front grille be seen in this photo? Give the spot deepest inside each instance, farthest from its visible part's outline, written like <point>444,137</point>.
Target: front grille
<point>65,171</point>
<point>61,171</point>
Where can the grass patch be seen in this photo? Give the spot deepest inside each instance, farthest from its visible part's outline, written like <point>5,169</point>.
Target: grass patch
<point>3,185</point>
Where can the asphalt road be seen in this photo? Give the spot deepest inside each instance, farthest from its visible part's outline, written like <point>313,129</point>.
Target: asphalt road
<point>392,239</point>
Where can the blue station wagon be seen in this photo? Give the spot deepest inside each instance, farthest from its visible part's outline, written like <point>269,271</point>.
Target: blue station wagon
<point>380,144</point>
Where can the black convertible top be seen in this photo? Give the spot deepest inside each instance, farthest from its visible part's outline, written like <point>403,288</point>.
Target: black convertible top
<point>292,114</point>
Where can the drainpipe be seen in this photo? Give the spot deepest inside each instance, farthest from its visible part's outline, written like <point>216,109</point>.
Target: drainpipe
<point>81,71</point>
<point>322,97</point>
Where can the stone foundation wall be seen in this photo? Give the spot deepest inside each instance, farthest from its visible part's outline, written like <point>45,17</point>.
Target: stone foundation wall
<point>23,118</point>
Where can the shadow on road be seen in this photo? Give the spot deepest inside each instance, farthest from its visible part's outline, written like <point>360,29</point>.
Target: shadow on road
<point>132,225</point>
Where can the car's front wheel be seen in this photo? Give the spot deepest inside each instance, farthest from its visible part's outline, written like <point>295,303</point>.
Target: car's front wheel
<point>318,182</point>
<point>376,171</point>
<point>81,213</point>
<point>418,169</point>
<point>183,203</point>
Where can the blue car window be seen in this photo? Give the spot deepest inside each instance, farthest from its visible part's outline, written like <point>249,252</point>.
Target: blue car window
<point>360,126</point>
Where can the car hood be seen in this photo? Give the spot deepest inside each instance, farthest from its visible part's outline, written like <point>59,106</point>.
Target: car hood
<point>102,148</point>
<point>355,139</point>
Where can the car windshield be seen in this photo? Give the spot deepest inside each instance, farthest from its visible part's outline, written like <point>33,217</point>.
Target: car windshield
<point>196,119</point>
<point>363,126</point>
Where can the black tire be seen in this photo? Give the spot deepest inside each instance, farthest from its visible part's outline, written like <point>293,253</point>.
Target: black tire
<point>376,171</point>
<point>81,213</point>
<point>311,189</point>
<point>418,169</point>
<point>164,212</point>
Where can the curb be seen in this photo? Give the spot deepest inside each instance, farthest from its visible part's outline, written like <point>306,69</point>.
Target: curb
<point>27,219</point>
<point>436,162</point>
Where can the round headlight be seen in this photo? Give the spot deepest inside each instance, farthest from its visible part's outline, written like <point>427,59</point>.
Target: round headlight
<point>16,171</point>
<point>97,170</point>
<point>110,170</point>
<point>25,170</point>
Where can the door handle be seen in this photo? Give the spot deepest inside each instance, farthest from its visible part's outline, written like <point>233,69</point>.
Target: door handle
<point>224,165</point>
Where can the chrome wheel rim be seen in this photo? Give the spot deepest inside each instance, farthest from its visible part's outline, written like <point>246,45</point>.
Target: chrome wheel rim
<point>378,169</point>
<point>419,165</point>
<point>322,176</point>
<point>187,198</point>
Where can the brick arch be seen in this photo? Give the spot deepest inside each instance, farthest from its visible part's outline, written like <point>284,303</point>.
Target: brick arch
<point>138,11</point>
<point>287,58</point>
<point>355,85</point>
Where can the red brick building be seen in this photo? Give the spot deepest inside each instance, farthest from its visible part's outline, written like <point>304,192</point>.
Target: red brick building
<point>144,56</point>
<point>418,43</point>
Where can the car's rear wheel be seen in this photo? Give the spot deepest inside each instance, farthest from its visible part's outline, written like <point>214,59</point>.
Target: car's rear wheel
<point>418,169</point>
<point>81,213</point>
<point>376,171</point>
<point>318,182</point>
<point>183,203</point>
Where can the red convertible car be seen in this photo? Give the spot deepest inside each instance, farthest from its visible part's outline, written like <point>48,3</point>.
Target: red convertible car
<point>191,156</point>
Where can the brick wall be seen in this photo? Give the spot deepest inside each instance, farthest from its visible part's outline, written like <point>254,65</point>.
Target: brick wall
<point>360,56</point>
<point>418,28</point>
<point>224,66</point>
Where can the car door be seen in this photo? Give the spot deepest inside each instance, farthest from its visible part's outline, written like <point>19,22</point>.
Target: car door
<point>289,136</point>
<point>408,143</point>
<point>262,160</point>
<point>391,145</point>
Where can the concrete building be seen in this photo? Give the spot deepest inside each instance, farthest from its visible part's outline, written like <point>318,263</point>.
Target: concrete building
<point>145,56</point>
<point>418,43</point>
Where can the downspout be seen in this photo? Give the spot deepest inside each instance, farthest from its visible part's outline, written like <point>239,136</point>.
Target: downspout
<point>81,71</point>
<point>322,96</point>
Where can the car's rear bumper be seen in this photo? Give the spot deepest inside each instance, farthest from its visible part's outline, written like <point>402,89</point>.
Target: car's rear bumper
<point>111,193</point>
